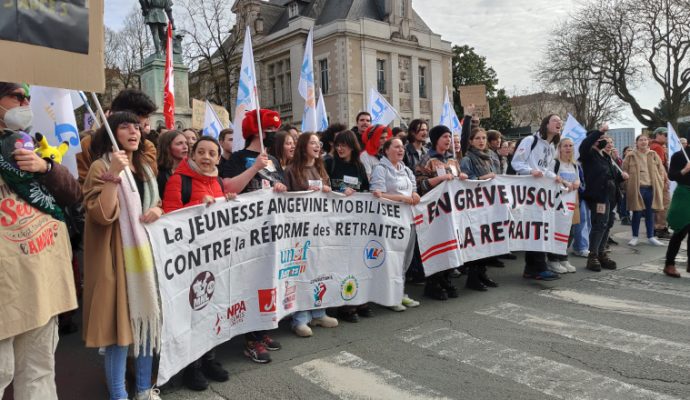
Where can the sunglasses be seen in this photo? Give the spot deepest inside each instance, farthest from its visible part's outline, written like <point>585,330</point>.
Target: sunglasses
<point>19,96</point>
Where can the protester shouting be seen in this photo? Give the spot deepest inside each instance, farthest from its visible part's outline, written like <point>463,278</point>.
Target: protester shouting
<point>436,167</point>
<point>283,148</point>
<point>679,212</point>
<point>172,149</point>
<point>308,173</point>
<point>36,287</point>
<point>121,305</point>
<point>644,189</point>
<point>197,178</point>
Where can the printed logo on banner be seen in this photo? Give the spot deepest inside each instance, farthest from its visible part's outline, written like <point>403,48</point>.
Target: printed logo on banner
<point>374,254</point>
<point>319,292</point>
<point>234,316</point>
<point>267,300</point>
<point>349,287</point>
<point>290,295</point>
<point>201,290</point>
<point>293,261</point>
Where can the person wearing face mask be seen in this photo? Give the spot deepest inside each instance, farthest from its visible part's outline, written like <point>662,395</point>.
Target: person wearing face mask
<point>601,180</point>
<point>37,283</point>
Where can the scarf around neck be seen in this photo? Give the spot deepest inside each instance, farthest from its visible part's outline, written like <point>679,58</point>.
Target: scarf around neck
<point>483,161</point>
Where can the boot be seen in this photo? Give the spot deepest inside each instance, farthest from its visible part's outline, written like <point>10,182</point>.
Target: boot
<point>484,278</point>
<point>433,288</point>
<point>593,263</point>
<point>671,271</point>
<point>606,262</point>
<point>212,369</point>
<point>444,280</point>
<point>193,378</point>
<point>473,281</point>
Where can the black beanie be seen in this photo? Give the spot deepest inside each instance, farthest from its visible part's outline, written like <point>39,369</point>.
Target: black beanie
<point>436,132</point>
<point>8,87</point>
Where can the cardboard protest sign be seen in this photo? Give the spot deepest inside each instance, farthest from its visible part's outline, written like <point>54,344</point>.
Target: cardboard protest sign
<point>199,112</point>
<point>56,44</point>
<point>475,94</point>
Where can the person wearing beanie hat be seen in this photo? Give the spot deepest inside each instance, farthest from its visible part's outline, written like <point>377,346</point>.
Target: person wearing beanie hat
<point>373,138</point>
<point>248,170</point>
<point>659,144</point>
<point>435,167</point>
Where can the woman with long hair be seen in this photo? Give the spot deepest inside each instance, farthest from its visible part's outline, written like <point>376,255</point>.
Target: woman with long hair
<point>644,189</point>
<point>306,172</point>
<point>121,305</point>
<point>172,149</point>
<point>417,135</point>
<point>679,212</point>
<point>283,148</point>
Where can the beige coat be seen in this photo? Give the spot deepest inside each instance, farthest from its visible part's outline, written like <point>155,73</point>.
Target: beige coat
<point>657,174</point>
<point>106,312</point>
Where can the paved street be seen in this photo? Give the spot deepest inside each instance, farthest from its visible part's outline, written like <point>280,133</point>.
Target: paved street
<point>610,335</point>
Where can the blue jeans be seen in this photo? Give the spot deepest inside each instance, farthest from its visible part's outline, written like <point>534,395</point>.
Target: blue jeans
<point>115,365</point>
<point>580,232</point>
<point>304,317</point>
<point>647,196</point>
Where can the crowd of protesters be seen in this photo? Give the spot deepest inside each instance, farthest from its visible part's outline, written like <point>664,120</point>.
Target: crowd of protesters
<point>177,169</point>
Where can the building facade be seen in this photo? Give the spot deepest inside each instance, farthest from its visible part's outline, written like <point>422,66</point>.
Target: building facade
<point>358,44</point>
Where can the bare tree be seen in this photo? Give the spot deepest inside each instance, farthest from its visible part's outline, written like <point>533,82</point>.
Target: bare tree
<point>631,41</point>
<point>126,50</point>
<point>211,48</point>
<point>567,71</point>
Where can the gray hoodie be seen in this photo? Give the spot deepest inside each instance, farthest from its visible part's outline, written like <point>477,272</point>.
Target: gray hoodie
<point>389,179</point>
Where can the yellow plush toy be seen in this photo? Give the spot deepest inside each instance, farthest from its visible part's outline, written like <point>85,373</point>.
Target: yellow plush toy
<point>45,150</point>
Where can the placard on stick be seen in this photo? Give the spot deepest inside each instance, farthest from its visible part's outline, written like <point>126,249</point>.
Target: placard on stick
<point>199,111</point>
<point>475,94</point>
<point>53,44</point>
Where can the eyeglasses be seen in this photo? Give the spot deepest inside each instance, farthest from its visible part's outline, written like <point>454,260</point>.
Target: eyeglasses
<point>21,97</point>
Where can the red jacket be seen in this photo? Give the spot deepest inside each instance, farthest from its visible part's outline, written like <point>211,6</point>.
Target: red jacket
<point>660,150</point>
<point>202,186</point>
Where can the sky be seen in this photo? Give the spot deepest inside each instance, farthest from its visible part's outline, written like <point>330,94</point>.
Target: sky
<point>511,34</point>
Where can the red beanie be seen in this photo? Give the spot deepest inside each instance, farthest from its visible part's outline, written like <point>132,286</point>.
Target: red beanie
<point>270,121</point>
<point>371,138</point>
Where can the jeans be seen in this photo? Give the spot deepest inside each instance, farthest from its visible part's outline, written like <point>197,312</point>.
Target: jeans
<point>599,234</point>
<point>115,365</point>
<point>581,231</point>
<point>647,196</point>
<point>674,245</point>
<point>304,317</point>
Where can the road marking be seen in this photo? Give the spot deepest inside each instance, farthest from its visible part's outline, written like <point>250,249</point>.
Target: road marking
<point>547,376</point>
<point>641,284</point>
<point>657,349</point>
<point>349,377</point>
<point>657,269</point>
<point>629,307</point>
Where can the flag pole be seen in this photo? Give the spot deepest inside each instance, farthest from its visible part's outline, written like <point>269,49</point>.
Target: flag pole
<point>214,114</point>
<point>88,108</point>
<point>128,172</point>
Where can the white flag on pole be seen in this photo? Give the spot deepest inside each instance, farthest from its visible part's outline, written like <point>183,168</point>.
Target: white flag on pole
<point>321,114</point>
<point>306,86</point>
<point>246,91</point>
<point>381,111</point>
<point>574,131</point>
<point>450,119</point>
<point>212,125</point>
<point>54,118</point>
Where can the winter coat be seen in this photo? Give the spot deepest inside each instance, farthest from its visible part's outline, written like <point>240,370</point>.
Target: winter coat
<point>601,176</point>
<point>429,164</point>
<point>657,173</point>
<point>202,185</point>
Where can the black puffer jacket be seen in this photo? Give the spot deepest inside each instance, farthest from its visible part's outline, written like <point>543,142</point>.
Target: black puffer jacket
<point>601,176</point>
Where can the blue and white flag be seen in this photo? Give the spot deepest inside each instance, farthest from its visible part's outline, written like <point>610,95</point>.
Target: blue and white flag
<point>576,132</point>
<point>54,118</point>
<point>448,116</point>
<point>321,114</point>
<point>381,111</point>
<point>306,86</point>
<point>212,125</point>
<point>246,91</point>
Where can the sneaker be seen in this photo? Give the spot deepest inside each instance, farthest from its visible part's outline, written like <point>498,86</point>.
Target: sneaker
<point>654,241</point>
<point>555,266</point>
<point>542,276</point>
<point>302,330</point>
<point>325,322</point>
<point>151,394</point>
<point>454,273</point>
<point>213,370</point>
<point>567,265</point>
<point>193,378</point>
<point>270,344</point>
<point>581,253</point>
<point>633,242</point>
<point>409,303</point>
<point>256,351</point>
<point>397,308</point>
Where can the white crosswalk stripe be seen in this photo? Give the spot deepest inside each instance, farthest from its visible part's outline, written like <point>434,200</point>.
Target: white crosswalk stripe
<point>651,347</point>
<point>349,377</point>
<point>547,376</point>
<point>628,307</point>
<point>641,284</point>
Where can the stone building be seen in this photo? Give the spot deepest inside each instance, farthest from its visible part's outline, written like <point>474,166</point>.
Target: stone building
<point>358,44</point>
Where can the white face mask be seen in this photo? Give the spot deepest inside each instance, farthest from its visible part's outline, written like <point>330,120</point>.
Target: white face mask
<point>19,118</point>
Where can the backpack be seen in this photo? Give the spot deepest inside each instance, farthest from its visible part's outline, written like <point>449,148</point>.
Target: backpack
<point>510,170</point>
<point>187,187</point>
